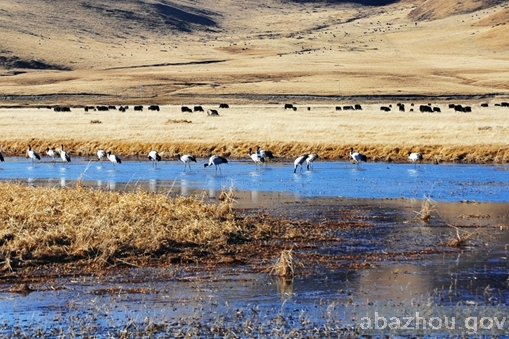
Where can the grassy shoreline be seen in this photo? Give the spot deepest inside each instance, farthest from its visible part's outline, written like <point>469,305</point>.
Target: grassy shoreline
<point>478,137</point>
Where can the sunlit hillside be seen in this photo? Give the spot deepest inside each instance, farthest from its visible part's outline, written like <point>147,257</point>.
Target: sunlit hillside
<point>170,51</point>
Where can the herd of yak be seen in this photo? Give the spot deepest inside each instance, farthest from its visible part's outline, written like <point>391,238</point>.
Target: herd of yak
<point>429,108</point>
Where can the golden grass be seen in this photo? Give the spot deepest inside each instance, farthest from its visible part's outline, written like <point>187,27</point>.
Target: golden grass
<point>481,136</point>
<point>85,228</point>
<point>284,265</point>
<point>45,225</point>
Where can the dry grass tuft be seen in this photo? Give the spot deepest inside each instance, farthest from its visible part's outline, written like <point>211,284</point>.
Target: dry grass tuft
<point>427,208</point>
<point>460,239</point>
<point>96,121</point>
<point>284,265</point>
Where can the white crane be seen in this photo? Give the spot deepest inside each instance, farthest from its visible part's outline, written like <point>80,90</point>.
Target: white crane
<point>64,155</point>
<point>114,159</point>
<point>216,160</point>
<point>101,154</point>
<point>50,152</point>
<point>298,162</point>
<point>154,157</point>
<point>187,159</point>
<point>415,157</point>
<point>32,154</point>
<point>310,159</point>
<point>357,157</point>
<point>257,158</point>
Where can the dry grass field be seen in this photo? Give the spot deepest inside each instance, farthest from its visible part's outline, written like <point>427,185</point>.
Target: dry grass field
<point>480,137</point>
<point>256,57</point>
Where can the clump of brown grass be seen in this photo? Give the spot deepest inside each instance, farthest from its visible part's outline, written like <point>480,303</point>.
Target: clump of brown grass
<point>284,265</point>
<point>54,225</point>
<point>460,239</point>
<point>96,122</point>
<point>427,208</point>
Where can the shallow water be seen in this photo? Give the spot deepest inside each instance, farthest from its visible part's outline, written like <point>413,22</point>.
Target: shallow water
<point>445,182</point>
<point>400,274</point>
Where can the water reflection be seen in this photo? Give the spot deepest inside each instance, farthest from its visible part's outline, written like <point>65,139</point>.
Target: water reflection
<point>451,182</point>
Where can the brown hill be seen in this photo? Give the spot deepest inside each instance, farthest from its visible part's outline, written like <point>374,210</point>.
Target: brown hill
<point>439,9</point>
<point>172,50</point>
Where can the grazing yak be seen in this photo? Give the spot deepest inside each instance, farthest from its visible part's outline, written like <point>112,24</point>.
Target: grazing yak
<point>138,108</point>
<point>185,109</point>
<point>224,106</point>
<point>425,109</point>
<point>198,109</point>
<point>153,108</point>
<point>212,112</point>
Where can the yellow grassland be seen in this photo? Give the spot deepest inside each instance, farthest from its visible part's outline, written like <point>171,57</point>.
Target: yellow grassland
<point>480,136</point>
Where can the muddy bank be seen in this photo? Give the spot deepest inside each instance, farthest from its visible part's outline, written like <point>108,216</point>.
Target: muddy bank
<point>352,254</point>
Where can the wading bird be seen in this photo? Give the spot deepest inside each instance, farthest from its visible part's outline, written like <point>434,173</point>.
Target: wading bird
<point>50,152</point>
<point>154,157</point>
<point>310,159</point>
<point>114,159</point>
<point>32,154</point>
<point>101,154</point>
<point>1,157</point>
<point>187,159</point>
<point>299,161</point>
<point>216,160</point>
<point>257,158</point>
<point>264,154</point>
<point>357,157</point>
<point>415,157</point>
<point>64,155</point>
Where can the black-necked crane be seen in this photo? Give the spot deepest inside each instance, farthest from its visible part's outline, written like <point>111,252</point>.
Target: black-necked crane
<point>357,157</point>
<point>298,162</point>
<point>113,159</point>
<point>154,157</point>
<point>50,152</point>
<point>64,155</point>
<point>217,161</point>
<point>310,159</point>
<point>415,157</point>
<point>264,154</point>
<point>187,159</point>
<point>32,154</point>
<point>257,158</point>
<point>101,154</point>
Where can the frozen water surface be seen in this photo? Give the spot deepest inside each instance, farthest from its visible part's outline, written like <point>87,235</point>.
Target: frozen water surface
<point>236,298</point>
<point>445,182</point>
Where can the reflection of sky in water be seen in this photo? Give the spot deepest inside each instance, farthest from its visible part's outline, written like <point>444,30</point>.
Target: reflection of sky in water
<point>449,278</point>
<point>446,182</point>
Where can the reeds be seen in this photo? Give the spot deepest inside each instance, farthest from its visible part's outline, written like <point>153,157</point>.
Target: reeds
<point>460,239</point>
<point>284,265</point>
<point>57,225</point>
<point>427,208</point>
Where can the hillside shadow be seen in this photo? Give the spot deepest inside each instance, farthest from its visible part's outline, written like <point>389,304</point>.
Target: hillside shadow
<point>172,13</point>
